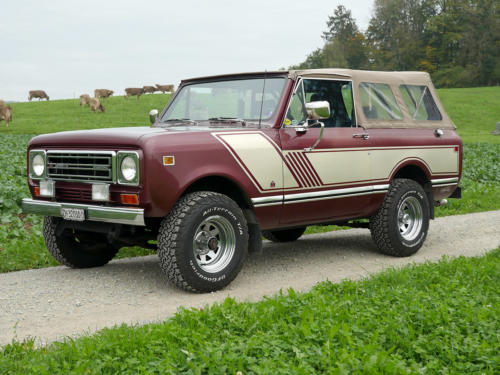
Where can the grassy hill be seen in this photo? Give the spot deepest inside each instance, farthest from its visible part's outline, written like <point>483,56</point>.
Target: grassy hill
<point>475,111</point>
<point>40,117</point>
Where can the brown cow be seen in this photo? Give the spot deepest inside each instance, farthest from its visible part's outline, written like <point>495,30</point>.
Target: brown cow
<point>95,104</point>
<point>6,113</point>
<point>103,93</point>
<point>40,94</point>
<point>165,88</point>
<point>149,89</point>
<point>2,103</point>
<point>84,99</point>
<point>131,91</point>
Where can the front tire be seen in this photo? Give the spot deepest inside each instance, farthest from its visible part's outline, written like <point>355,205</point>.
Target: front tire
<point>400,226</point>
<point>284,235</point>
<point>203,242</point>
<point>75,248</point>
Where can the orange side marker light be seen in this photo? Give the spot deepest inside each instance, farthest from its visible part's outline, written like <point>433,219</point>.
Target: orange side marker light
<point>130,199</point>
<point>37,191</point>
<point>168,160</point>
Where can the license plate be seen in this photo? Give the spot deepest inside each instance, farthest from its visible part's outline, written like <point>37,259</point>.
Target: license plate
<point>74,214</point>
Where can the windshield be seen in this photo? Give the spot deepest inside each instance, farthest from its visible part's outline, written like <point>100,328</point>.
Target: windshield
<point>239,102</point>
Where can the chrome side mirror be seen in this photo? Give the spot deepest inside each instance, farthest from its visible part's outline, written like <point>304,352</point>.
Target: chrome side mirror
<point>153,115</point>
<point>318,110</point>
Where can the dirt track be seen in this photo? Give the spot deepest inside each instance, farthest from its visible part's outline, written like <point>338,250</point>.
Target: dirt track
<point>55,302</point>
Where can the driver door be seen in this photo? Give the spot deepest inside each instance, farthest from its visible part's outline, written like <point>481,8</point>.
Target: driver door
<point>332,178</point>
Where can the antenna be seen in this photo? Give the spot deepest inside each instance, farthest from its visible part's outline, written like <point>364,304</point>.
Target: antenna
<point>262,101</point>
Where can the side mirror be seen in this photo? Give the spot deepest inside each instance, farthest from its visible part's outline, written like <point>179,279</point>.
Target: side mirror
<point>153,115</point>
<point>318,110</point>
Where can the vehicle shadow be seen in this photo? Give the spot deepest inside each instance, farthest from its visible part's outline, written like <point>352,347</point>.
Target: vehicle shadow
<point>289,257</point>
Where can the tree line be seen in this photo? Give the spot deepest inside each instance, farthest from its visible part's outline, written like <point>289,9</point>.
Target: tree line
<point>456,41</point>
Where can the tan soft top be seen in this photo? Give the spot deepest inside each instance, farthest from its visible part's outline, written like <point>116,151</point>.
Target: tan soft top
<point>393,79</point>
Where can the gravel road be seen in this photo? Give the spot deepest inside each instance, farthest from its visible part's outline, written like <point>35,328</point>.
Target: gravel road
<point>52,303</point>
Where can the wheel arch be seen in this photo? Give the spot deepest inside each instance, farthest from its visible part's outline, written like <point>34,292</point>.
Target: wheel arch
<point>417,171</point>
<point>228,187</point>
<point>222,185</point>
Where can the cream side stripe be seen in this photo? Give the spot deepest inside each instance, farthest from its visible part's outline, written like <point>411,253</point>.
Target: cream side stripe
<point>319,195</point>
<point>443,160</point>
<point>338,167</point>
<point>261,158</point>
<point>444,180</point>
<point>334,197</point>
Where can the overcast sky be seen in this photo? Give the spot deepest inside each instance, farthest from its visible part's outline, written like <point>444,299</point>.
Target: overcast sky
<point>72,47</point>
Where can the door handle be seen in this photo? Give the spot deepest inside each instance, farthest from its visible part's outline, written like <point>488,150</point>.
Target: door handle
<point>364,136</point>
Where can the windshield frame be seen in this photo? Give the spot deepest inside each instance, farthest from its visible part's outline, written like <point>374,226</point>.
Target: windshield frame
<point>264,123</point>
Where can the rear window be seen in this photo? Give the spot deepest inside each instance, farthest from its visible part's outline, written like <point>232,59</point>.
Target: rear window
<point>378,102</point>
<point>420,104</point>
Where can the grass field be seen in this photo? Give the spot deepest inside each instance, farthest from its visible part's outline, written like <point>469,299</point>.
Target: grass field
<point>427,319</point>
<point>475,111</point>
<point>40,117</point>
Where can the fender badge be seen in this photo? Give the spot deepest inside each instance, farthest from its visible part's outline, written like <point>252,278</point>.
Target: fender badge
<point>168,160</point>
<point>273,184</point>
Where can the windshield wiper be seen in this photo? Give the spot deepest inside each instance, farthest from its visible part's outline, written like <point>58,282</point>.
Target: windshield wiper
<point>228,119</point>
<point>182,120</point>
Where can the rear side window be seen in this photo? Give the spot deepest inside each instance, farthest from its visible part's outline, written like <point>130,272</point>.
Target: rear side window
<point>420,104</point>
<point>378,102</point>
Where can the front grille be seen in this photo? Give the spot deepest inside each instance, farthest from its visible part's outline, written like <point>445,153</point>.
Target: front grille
<point>74,194</point>
<point>80,166</point>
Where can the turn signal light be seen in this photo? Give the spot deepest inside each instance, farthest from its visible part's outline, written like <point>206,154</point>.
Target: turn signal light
<point>37,191</point>
<point>130,199</point>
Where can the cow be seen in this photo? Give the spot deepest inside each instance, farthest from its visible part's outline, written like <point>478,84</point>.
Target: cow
<point>95,105</point>
<point>40,94</point>
<point>131,91</point>
<point>6,113</point>
<point>149,89</point>
<point>84,99</point>
<point>2,103</point>
<point>165,88</point>
<point>103,93</point>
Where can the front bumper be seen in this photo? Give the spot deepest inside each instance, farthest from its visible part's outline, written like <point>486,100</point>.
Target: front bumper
<point>118,215</point>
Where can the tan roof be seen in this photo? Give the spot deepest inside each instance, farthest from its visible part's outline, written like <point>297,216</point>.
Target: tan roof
<point>393,79</point>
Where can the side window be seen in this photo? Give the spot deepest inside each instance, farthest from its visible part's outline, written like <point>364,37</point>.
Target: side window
<point>420,104</point>
<point>338,94</point>
<point>378,102</point>
<point>297,114</point>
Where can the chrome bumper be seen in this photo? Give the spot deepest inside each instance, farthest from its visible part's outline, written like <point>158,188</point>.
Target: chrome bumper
<point>119,215</point>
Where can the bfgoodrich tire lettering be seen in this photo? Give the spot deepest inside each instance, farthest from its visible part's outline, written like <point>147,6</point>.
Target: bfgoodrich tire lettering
<point>203,242</point>
<point>400,226</point>
<point>284,235</point>
<point>76,249</point>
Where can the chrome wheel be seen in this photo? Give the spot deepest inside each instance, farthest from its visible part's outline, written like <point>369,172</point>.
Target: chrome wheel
<point>214,244</point>
<point>410,218</point>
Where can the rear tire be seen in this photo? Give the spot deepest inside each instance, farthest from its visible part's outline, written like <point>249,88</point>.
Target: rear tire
<point>203,242</point>
<point>400,226</point>
<point>76,249</point>
<point>284,235</point>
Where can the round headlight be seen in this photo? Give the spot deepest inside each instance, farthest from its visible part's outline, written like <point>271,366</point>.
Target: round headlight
<point>128,168</point>
<point>38,165</point>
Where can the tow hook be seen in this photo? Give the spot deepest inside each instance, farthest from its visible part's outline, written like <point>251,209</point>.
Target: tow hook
<point>442,202</point>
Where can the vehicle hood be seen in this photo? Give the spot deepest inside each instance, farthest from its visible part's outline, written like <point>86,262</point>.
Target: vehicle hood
<point>130,136</point>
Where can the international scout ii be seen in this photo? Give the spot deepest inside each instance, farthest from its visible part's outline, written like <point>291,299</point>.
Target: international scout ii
<point>233,158</point>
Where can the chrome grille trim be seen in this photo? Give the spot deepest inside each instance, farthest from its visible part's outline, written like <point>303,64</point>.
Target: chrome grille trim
<point>81,165</point>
